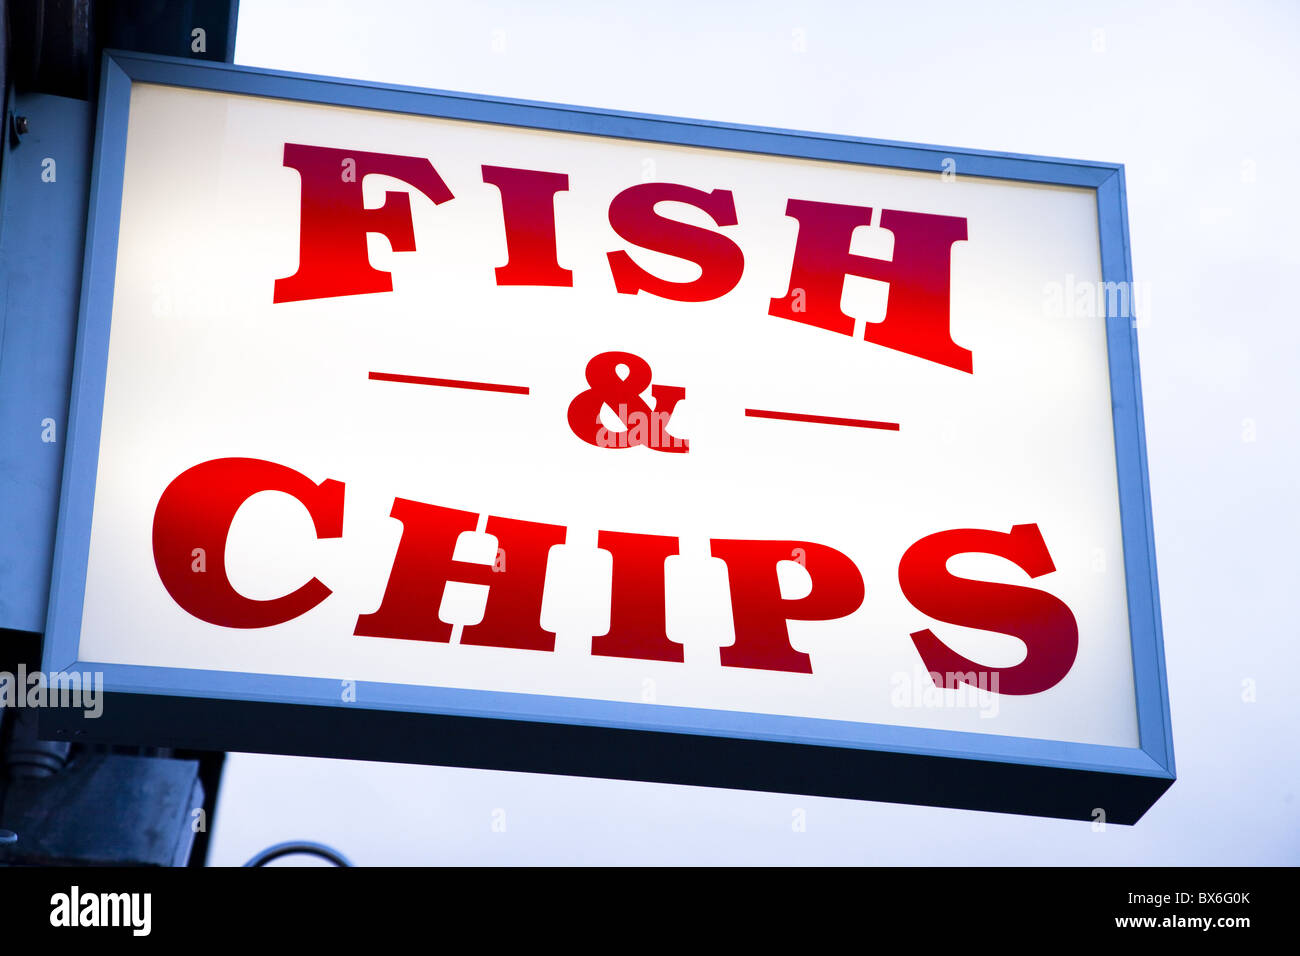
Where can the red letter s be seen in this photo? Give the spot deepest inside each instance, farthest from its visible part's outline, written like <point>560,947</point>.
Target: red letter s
<point>1043,622</point>
<point>633,216</point>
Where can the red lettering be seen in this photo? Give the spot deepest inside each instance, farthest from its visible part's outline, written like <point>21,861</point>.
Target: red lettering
<point>760,613</point>
<point>424,564</point>
<point>637,626</point>
<point>192,521</point>
<point>528,210</point>
<point>632,214</point>
<point>514,606</point>
<point>1043,622</point>
<point>332,257</point>
<point>919,276</point>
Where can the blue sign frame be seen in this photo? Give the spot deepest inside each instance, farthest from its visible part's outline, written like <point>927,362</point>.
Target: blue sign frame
<point>256,712</point>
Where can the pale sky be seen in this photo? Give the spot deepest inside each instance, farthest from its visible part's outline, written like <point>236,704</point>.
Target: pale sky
<point>1198,101</point>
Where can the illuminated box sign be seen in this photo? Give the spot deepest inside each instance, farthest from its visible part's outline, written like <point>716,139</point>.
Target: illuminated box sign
<point>426,427</point>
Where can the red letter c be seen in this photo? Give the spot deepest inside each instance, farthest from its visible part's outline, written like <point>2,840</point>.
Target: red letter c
<point>196,510</point>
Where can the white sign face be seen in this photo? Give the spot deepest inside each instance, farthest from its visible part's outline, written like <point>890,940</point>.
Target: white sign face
<point>700,428</point>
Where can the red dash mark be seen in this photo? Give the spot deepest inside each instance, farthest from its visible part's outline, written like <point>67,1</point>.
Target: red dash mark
<point>820,419</point>
<point>447,383</point>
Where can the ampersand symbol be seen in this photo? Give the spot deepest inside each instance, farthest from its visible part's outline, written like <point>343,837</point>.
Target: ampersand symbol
<point>622,393</point>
